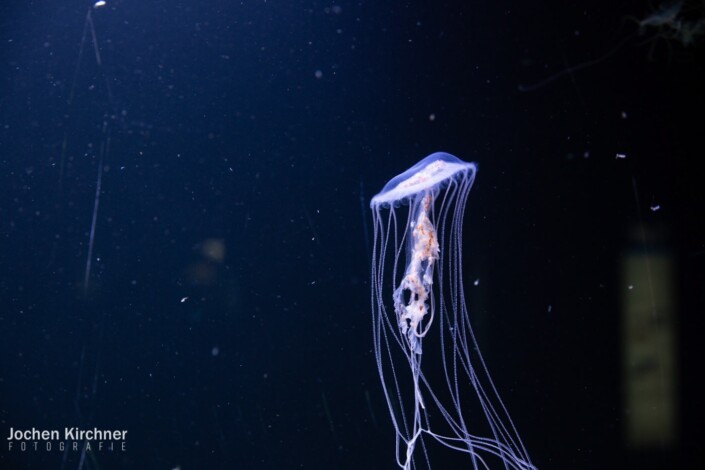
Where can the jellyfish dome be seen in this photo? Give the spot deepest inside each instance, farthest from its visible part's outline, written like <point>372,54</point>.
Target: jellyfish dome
<point>419,312</point>
<point>430,174</point>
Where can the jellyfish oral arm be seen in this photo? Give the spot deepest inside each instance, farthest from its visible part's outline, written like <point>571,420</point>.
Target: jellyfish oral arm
<point>418,283</point>
<point>418,278</point>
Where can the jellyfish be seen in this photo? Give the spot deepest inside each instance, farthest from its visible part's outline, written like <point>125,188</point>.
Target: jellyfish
<point>420,316</point>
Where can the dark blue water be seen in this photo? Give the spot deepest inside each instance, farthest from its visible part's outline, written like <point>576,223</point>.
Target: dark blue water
<point>225,318</point>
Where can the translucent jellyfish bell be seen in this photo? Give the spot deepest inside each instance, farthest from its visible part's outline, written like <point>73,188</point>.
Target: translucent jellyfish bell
<point>419,311</point>
<point>430,174</point>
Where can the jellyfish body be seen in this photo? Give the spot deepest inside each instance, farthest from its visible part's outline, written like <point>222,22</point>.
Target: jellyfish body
<point>419,311</point>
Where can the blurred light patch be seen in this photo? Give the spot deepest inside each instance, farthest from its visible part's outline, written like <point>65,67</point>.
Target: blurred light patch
<point>205,270</point>
<point>649,344</point>
<point>213,249</point>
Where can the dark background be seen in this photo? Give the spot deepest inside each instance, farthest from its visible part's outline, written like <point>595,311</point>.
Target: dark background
<point>268,125</point>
